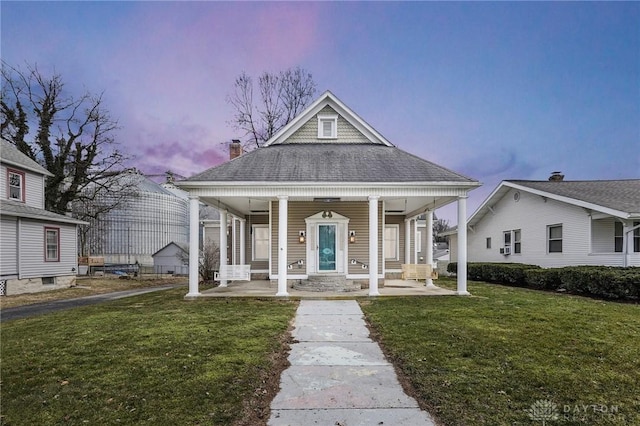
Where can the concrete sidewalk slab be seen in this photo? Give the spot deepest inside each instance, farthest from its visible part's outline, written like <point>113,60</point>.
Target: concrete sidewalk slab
<point>338,375</point>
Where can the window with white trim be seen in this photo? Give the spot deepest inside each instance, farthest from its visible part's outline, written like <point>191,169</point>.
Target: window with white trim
<point>15,185</point>
<point>517,244</point>
<point>419,242</point>
<point>260,246</point>
<point>391,243</point>
<point>554,238</point>
<point>636,238</point>
<point>327,126</point>
<point>488,243</point>
<point>618,237</point>
<point>51,244</point>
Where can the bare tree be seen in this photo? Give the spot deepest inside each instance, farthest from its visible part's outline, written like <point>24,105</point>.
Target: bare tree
<point>208,260</point>
<point>282,97</point>
<point>439,226</point>
<point>74,137</point>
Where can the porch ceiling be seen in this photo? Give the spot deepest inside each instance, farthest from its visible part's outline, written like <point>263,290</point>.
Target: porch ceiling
<point>402,206</point>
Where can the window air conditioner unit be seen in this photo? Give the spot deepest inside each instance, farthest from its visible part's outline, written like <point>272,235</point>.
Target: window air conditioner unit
<point>506,251</point>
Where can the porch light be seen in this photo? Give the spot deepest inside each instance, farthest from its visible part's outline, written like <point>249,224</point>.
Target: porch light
<point>352,237</point>
<point>302,237</point>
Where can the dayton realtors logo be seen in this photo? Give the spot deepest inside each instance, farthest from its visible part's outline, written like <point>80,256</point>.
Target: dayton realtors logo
<point>543,410</point>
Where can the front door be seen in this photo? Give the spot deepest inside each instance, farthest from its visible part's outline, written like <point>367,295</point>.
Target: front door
<point>326,247</point>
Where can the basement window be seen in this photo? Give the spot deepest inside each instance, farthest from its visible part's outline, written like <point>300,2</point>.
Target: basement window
<point>327,126</point>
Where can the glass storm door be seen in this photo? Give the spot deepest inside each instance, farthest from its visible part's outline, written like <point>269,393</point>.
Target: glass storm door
<point>326,247</point>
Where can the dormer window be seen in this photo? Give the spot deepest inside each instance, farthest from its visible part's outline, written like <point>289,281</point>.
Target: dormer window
<point>15,180</point>
<point>327,126</point>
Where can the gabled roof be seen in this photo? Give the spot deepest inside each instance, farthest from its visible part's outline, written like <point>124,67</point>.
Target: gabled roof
<point>182,246</point>
<point>17,209</point>
<point>12,156</point>
<point>328,99</point>
<point>316,162</point>
<point>620,198</point>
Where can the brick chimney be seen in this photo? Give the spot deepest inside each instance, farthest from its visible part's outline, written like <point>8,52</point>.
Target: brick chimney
<point>556,177</point>
<point>235,149</point>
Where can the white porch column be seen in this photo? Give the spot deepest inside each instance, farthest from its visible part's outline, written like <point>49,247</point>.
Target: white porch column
<point>223,247</point>
<point>194,251</point>
<point>243,248</point>
<point>462,246</point>
<point>282,244</point>
<point>407,241</point>
<point>373,245</point>
<point>428,250</point>
<point>234,241</point>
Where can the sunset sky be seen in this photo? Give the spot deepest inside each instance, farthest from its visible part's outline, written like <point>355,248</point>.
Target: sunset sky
<point>494,91</point>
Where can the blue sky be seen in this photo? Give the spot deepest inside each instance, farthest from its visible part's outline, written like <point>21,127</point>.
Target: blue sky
<point>494,91</point>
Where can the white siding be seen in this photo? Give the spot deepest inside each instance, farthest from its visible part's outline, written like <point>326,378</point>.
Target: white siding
<point>532,214</point>
<point>8,246</point>
<point>602,232</point>
<point>32,263</point>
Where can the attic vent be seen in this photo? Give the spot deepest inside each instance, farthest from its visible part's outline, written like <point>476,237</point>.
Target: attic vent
<point>327,126</point>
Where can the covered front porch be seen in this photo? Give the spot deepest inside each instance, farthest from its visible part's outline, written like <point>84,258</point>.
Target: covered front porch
<point>266,289</point>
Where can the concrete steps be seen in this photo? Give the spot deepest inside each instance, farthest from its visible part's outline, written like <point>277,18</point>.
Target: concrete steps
<point>333,283</point>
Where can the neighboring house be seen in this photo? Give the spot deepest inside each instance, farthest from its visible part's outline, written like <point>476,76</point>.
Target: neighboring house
<point>327,196</point>
<point>172,259</point>
<point>557,223</point>
<point>38,248</point>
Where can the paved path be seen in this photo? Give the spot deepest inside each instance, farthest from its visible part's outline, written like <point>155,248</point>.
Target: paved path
<point>56,305</point>
<point>338,375</point>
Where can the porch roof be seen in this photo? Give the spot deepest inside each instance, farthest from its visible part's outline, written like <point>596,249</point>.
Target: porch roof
<point>331,163</point>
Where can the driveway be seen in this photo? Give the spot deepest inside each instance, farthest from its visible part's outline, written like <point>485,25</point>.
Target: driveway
<point>56,305</point>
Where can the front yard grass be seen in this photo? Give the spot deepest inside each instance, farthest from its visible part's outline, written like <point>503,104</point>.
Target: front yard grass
<point>150,359</point>
<point>487,359</point>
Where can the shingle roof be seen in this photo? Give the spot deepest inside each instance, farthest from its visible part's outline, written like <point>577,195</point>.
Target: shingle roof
<point>17,209</point>
<point>621,195</point>
<point>11,155</point>
<point>329,163</point>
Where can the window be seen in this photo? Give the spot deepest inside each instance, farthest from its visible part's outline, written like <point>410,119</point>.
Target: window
<point>419,242</point>
<point>391,242</point>
<point>507,241</point>
<point>15,180</point>
<point>618,237</point>
<point>488,245</point>
<point>327,126</point>
<point>517,244</point>
<point>48,280</point>
<point>636,238</point>
<point>554,235</point>
<point>52,244</point>
<point>260,242</point>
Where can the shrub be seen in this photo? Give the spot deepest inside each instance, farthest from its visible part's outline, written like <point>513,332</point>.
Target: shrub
<point>542,279</point>
<point>596,281</point>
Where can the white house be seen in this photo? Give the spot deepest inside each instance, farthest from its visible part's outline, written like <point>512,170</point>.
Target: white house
<point>38,248</point>
<point>557,223</point>
<point>327,196</point>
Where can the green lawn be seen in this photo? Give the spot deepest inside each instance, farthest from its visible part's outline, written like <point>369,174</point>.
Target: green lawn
<point>486,359</point>
<point>151,359</point>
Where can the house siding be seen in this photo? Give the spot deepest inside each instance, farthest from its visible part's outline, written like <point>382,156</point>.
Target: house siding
<point>32,263</point>
<point>346,132</point>
<point>9,246</point>
<point>358,214</point>
<point>532,214</point>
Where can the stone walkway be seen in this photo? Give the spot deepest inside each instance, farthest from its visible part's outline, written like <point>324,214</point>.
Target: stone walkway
<point>338,375</point>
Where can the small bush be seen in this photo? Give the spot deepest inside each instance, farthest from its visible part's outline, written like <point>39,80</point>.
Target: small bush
<point>542,279</point>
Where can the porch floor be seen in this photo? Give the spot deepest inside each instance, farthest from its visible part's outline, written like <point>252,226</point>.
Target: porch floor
<point>264,288</point>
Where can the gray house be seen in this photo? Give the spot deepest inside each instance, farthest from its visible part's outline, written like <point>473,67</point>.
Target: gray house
<point>38,248</point>
<point>557,223</point>
<point>327,196</point>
